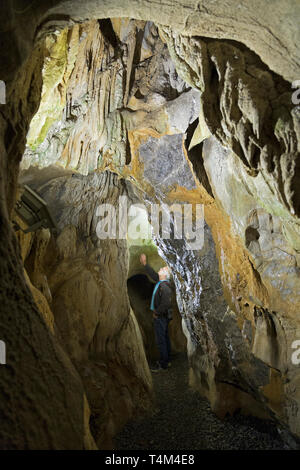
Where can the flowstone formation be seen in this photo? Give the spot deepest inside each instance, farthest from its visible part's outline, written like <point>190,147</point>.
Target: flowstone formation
<point>191,111</point>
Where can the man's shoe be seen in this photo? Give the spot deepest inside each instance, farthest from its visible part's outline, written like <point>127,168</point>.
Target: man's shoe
<point>157,368</point>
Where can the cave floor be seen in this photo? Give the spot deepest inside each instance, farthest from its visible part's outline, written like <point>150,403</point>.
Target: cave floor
<point>182,420</point>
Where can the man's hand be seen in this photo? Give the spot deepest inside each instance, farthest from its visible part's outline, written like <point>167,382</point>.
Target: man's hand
<point>143,259</point>
<point>154,315</point>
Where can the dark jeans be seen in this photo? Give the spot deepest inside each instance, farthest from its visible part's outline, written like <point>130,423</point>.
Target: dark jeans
<point>161,325</point>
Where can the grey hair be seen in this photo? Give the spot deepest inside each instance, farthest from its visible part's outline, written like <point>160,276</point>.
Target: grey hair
<point>168,273</point>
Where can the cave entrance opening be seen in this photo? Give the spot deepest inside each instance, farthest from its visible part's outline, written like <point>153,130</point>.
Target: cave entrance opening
<point>140,291</point>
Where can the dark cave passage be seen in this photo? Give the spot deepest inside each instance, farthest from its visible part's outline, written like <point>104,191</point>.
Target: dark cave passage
<point>140,290</point>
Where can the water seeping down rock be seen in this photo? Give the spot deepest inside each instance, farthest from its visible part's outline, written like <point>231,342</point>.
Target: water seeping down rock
<point>164,112</point>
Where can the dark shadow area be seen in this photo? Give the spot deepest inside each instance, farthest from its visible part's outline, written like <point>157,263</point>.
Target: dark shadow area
<point>251,235</point>
<point>140,292</point>
<point>196,158</point>
<point>108,32</point>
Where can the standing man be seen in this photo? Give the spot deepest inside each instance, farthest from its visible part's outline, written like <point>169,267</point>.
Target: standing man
<point>161,304</point>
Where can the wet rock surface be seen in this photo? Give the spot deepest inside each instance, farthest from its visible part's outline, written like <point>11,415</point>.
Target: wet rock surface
<point>183,420</point>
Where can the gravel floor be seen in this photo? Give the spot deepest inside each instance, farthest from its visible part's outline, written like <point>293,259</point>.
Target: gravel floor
<point>182,420</point>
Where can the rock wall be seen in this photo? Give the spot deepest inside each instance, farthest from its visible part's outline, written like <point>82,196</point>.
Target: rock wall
<point>222,366</point>
<point>44,403</point>
<point>122,80</point>
<point>252,168</point>
<point>270,314</point>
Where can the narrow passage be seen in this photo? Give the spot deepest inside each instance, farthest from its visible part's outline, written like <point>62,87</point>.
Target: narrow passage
<point>183,420</point>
